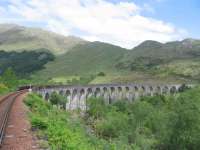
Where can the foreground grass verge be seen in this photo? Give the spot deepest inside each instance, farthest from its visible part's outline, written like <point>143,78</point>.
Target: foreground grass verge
<point>59,129</point>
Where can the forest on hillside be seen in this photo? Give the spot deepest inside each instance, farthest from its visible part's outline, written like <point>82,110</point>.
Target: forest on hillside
<point>24,63</point>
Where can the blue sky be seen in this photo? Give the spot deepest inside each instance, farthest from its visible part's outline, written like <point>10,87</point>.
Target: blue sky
<point>182,13</point>
<point>121,22</point>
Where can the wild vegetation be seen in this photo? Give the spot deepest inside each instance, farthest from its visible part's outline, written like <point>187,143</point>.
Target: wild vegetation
<point>24,63</point>
<point>8,81</point>
<point>157,123</point>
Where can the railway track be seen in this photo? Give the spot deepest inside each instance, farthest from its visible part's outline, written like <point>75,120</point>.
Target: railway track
<point>5,107</point>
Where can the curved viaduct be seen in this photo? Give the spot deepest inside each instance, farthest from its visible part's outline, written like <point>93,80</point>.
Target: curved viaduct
<point>77,95</point>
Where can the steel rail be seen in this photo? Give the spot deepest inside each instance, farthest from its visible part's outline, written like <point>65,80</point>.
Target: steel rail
<point>10,100</point>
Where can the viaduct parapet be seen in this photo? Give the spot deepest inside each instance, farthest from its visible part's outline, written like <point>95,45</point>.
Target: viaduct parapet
<point>77,95</point>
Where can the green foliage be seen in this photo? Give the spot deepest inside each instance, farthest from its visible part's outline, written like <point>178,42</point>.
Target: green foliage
<point>97,107</point>
<point>82,80</point>
<point>36,104</point>
<point>101,74</point>
<point>159,122</point>
<point>140,63</point>
<point>111,125</point>
<point>151,123</point>
<point>9,78</point>
<point>3,89</point>
<point>24,63</point>
<point>38,122</point>
<point>61,131</point>
<point>186,128</point>
<point>57,99</point>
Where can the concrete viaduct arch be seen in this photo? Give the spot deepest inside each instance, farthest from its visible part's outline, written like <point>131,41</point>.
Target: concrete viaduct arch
<point>77,95</point>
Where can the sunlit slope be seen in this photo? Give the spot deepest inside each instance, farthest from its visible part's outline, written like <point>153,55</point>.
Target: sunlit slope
<point>18,38</point>
<point>90,58</point>
<point>173,61</point>
<point>154,51</point>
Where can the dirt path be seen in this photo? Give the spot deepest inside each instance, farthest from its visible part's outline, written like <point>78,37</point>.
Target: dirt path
<point>18,134</point>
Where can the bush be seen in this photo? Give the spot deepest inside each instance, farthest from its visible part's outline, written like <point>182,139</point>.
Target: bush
<point>112,125</point>
<point>3,89</point>
<point>97,107</point>
<point>38,122</point>
<point>121,105</point>
<point>57,99</point>
<point>9,78</point>
<point>101,74</point>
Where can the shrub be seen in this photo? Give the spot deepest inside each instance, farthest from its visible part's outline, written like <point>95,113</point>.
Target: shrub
<point>3,89</point>
<point>57,99</point>
<point>97,107</point>
<point>38,122</point>
<point>112,125</point>
<point>101,74</point>
<point>121,105</point>
<point>9,78</point>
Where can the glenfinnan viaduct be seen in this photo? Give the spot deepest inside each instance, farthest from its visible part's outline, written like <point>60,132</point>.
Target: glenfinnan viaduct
<point>77,95</point>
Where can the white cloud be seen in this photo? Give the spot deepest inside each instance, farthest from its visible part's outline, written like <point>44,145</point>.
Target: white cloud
<point>120,23</point>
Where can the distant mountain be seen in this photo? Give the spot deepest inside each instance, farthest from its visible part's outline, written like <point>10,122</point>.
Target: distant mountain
<point>171,49</point>
<point>19,38</point>
<point>178,59</point>
<point>186,49</point>
<point>74,56</point>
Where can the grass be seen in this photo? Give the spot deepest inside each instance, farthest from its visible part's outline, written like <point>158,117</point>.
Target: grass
<point>186,70</point>
<point>118,77</point>
<point>137,77</point>
<point>62,130</point>
<point>3,89</point>
<point>89,59</point>
<point>64,79</point>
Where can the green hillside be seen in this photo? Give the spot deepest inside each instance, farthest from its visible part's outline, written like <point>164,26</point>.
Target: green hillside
<point>178,59</point>
<point>19,38</point>
<point>176,49</point>
<point>90,58</point>
<point>151,61</point>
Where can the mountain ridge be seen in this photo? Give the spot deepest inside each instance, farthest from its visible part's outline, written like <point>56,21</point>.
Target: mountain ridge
<point>36,31</point>
<point>178,59</point>
<point>18,38</point>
